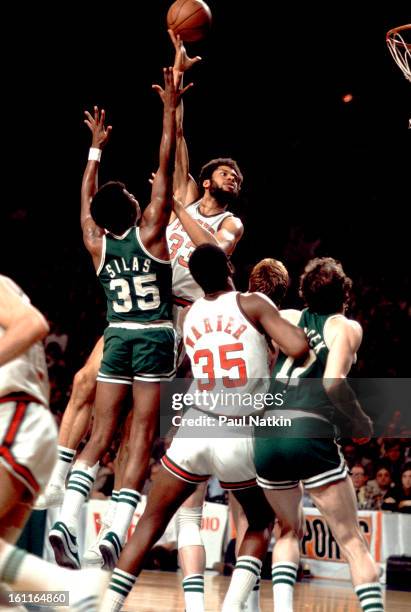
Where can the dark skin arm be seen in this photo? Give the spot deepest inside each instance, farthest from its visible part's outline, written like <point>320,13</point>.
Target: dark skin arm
<point>185,187</point>
<point>92,234</point>
<point>265,316</point>
<point>226,238</point>
<point>156,216</point>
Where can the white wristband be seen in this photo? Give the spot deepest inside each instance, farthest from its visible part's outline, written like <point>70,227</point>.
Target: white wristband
<point>94,154</point>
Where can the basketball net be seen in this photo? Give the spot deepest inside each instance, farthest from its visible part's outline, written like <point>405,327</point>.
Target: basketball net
<point>400,50</point>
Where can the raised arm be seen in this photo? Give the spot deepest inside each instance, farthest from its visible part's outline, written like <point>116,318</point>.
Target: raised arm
<point>156,216</point>
<point>100,134</point>
<point>184,186</point>
<point>262,312</point>
<point>23,323</point>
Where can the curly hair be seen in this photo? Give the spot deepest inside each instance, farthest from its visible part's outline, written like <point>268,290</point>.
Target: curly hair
<point>324,286</point>
<point>270,276</point>
<point>207,170</point>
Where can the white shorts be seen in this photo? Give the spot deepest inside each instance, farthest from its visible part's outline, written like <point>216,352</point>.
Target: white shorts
<point>28,441</point>
<point>194,460</point>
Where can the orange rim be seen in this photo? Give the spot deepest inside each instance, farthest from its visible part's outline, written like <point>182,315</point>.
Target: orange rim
<point>391,34</point>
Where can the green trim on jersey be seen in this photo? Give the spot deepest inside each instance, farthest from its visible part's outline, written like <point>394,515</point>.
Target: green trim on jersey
<point>137,285</point>
<point>287,374</point>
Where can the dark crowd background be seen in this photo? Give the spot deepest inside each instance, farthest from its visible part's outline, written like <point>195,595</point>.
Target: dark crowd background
<point>322,176</point>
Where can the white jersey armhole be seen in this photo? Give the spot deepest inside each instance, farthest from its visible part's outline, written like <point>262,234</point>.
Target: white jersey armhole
<point>339,315</point>
<point>103,254</point>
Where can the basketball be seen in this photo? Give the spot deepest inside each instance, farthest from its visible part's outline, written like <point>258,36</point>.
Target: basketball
<point>191,19</point>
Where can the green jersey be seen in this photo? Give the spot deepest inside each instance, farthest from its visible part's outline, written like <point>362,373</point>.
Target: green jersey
<point>290,376</point>
<point>137,284</point>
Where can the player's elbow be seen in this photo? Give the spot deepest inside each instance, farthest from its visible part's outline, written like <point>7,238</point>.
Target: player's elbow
<point>37,325</point>
<point>332,381</point>
<point>299,347</point>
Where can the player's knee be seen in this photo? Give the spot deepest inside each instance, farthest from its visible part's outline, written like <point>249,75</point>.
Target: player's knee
<point>260,520</point>
<point>84,383</point>
<point>291,529</point>
<point>189,526</point>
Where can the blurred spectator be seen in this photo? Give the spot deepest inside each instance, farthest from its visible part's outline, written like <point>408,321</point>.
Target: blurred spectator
<point>54,358</point>
<point>359,480</point>
<point>378,488</point>
<point>393,455</point>
<point>399,498</point>
<point>57,335</point>
<point>350,452</point>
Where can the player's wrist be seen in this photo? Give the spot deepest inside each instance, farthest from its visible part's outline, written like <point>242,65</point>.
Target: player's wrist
<point>94,154</point>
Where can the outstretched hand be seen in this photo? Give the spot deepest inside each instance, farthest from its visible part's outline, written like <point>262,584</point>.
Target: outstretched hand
<point>181,61</point>
<point>95,123</point>
<point>171,93</point>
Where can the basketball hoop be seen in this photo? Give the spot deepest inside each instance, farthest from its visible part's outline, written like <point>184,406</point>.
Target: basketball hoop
<point>399,43</point>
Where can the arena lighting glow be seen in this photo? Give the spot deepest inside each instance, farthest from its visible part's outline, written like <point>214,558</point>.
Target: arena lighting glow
<point>347,98</point>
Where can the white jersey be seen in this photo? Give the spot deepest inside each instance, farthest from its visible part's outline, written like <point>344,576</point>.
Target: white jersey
<point>181,247</point>
<point>28,372</point>
<point>228,356</point>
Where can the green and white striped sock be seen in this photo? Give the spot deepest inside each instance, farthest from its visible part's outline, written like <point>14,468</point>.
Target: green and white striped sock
<point>245,575</point>
<point>126,504</point>
<point>78,490</point>
<point>283,576</point>
<point>65,459</point>
<point>370,596</point>
<point>193,587</point>
<point>120,586</point>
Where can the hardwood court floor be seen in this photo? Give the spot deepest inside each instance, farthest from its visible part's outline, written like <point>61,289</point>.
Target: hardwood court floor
<point>161,592</point>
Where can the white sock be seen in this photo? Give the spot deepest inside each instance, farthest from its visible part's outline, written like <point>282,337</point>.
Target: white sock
<point>78,490</point>
<point>193,586</point>
<point>253,601</point>
<point>125,507</point>
<point>245,575</point>
<point>108,516</point>
<point>61,469</point>
<point>370,596</point>
<point>284,576</point>
<point>25,572</point>
<point>120,586</point>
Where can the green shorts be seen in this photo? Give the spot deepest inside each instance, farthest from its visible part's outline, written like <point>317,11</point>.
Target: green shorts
<point>140,354</point>
<point>282,461</point>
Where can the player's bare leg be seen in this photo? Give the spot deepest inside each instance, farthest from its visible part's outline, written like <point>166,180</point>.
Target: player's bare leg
<point>240,520</point>
<point>337,504</point>
<point>15,506</point>
<point>252,550</point>
<point>191,551</point>
<point>93,557</point>
<point>74,426</point>
<point>63,534</point>
<point>241,526</point>
<point>165,497</point>
<point>144,422</point>
<point>286,555</point>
